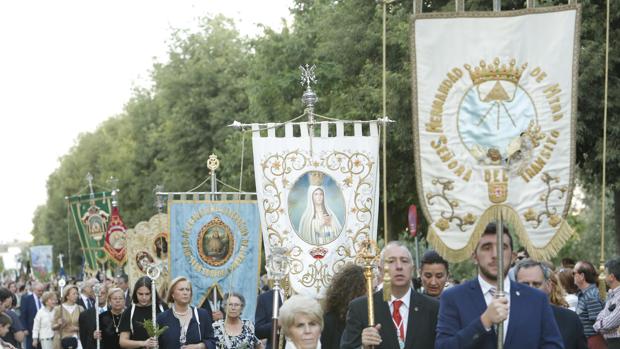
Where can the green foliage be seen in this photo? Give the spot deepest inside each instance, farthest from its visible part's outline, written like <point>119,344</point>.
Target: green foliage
<point>152,329</point>
<point>214,76</point>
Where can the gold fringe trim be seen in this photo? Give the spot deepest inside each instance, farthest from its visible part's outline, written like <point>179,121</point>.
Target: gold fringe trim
<point>511,218</point>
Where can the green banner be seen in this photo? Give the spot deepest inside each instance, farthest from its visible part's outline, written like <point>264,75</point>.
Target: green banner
<point>91,213</point>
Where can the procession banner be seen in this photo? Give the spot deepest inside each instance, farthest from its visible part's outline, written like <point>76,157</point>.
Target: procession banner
<point>216,244</point>
<point>318,196</point>
<point>41,261</point>
<point>494,108</point>
<point>90,214</point>
<point>115,244</point>
<point>147,244</point>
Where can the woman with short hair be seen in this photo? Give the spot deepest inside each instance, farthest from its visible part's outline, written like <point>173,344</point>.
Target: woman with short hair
<point>42,332</point>
<point>110,320</point>
<point>232,332</point>
<point>188,327</point>
<point>301,319</point>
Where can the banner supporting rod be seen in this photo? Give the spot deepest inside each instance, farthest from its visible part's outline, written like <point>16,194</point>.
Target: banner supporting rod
<point>384,129</point>
<point>499,232</point>
<point>602,290</point>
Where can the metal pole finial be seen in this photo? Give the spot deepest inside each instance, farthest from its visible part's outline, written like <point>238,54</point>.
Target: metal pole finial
<point>309,98</point>
<point>89,178</point>
<point>113,182</point>
<point>159,200</point>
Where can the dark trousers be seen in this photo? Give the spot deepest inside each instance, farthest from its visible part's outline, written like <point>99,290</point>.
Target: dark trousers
<point>613,343</point>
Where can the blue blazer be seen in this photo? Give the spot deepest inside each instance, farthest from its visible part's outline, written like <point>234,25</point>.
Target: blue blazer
<point>196,333</point>
<point>531,322</point>
<point>28,310</point>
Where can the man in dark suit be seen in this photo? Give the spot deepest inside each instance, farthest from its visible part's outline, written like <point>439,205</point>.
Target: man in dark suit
<point>407,320</point>
<point>87,295</point>
<point>264,315</point>
<point>122,282</point>
<point>30,304</point>
<point>469,312</point>
<point>88,323</point>
<point>535,274</point>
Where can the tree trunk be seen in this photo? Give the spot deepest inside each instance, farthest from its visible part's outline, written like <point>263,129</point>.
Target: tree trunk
<point>617,219</point>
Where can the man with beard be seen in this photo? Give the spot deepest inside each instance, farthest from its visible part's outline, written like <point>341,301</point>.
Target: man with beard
<point>406,321</point>
<point>469,313</point>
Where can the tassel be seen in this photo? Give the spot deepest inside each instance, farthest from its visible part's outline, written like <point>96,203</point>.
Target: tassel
<point>387,284</point>
<point>602,286</point>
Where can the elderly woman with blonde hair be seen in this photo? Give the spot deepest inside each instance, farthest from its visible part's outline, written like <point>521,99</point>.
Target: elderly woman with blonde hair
<point>301,320</point>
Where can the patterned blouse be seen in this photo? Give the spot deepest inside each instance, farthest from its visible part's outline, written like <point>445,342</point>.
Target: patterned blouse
<point>245,340</point>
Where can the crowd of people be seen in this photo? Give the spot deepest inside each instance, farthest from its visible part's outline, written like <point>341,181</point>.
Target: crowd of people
<point>540,307</point>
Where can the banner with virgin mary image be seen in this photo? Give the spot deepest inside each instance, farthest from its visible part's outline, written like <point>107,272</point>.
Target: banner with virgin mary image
<point>318,196</point>
<point>147,244</point>
<point>216,244</point>
<point>494,96</point>
<point>42,261</point>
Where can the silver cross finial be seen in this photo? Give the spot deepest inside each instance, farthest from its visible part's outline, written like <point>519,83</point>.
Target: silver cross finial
<point>60,257</point>
<point>89,178</point>
<point>307,75</point>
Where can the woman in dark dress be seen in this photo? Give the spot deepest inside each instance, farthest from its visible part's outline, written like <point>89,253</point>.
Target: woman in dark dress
<point>110,320</point>
<point>188,327</point>
<point>131,328</point>
<point>347,284</point>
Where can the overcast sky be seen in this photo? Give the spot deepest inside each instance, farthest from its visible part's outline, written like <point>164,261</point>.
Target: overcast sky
<point>67,65</point>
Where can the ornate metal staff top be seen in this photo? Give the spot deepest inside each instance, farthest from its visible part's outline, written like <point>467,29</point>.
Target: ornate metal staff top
<point>309,98</point>
<point>368,256</point>
<point>277,266</point>
<point>113,182</point>
<point>153,271</point>
<point>89,178</point>
<point>159,200</point>
<point>97,288</point>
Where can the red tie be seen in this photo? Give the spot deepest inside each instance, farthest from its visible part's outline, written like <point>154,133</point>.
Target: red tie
<point>398,320</point>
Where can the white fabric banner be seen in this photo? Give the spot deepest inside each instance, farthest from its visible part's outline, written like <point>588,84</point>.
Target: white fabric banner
<point>318,196</point>
<point>494,124</point>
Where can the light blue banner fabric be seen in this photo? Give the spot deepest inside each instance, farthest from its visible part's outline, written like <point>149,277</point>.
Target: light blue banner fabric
<point>216,242</point>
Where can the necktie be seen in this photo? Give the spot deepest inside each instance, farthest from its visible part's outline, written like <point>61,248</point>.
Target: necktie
<point>492,291</point>
<point>398,320</point>
<point>38,302</point>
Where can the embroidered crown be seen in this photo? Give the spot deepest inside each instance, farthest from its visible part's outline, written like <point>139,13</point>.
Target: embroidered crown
<point>316,178</point>
<point>495,71</point>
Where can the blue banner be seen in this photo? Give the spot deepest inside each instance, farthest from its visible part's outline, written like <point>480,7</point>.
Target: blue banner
<point>215,244</point>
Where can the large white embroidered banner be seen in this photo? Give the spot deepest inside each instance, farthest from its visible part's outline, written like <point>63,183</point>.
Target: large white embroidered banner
<point>494,124</point>
<point>318,196</point>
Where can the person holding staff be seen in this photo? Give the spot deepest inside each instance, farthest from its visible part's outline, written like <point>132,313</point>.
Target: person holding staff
<point>110,321</point>
<point>132,331</point>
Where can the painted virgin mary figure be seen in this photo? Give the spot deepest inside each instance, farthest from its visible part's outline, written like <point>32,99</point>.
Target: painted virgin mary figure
<point>318,224</point>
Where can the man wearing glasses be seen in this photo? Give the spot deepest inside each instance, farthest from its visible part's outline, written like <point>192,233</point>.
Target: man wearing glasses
<point>536,275</point>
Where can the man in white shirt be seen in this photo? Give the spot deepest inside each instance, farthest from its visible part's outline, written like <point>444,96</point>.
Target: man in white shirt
<point>407,320</point>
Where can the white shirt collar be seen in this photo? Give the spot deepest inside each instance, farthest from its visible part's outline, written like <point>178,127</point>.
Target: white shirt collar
<point>485,286</point>
<point>405,299</point>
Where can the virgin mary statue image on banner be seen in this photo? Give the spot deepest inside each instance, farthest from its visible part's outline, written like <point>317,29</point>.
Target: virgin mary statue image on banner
<point>317,196</point>
<point>318,224</point>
